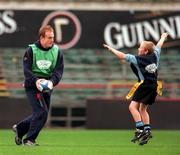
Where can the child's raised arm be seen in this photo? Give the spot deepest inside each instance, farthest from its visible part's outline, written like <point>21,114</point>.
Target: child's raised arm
<point>162,39</point>
<point>119,54</point>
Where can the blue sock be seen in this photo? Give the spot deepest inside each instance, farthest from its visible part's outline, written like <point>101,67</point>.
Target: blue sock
<point>140,125</point>
<point>147,127</point>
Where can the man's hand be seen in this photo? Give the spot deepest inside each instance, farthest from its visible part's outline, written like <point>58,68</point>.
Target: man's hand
<point>38,84</point>
<point>50,84</point>
<point>44,85</point>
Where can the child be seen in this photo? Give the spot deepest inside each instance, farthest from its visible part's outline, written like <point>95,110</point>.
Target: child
<point>144,66</point>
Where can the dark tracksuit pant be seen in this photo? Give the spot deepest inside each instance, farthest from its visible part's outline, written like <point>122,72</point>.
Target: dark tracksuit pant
<point>32,125</point>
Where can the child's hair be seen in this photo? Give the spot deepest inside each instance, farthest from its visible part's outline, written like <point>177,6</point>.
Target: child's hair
<point>148,45</point>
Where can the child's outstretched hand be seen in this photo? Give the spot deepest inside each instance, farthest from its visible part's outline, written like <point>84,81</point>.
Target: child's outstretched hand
<point>106,46</point>
<point>164,35</point>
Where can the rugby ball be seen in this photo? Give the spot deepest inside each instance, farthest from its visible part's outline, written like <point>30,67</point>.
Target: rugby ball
<point>44,85</point>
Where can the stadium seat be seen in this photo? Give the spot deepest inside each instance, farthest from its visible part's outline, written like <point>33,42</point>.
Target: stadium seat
<point>89,66</point>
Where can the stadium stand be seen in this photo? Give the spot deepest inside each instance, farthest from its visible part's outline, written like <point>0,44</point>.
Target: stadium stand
<point>149,1</point>
<point>88,73</point>
<point>11,61</point>
<point>3,83</point>
<point>91,73</point>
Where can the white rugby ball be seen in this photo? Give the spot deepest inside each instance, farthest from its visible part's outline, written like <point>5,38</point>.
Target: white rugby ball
<point>44,85</point>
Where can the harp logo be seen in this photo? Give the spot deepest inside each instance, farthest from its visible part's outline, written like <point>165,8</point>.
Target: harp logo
<point>67,28</point>
<point>151,68</point>
<point>43,64</point>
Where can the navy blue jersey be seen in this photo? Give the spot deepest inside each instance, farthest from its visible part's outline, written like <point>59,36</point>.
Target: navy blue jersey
<point>145,66</point>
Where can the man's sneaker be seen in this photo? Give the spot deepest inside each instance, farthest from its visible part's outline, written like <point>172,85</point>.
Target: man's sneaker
<point>145,138</point>
<point>138,134</point>
<point>18,138</point>
<point>30,143</point>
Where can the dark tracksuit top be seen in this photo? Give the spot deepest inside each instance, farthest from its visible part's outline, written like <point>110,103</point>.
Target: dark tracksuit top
<point>30,78</point>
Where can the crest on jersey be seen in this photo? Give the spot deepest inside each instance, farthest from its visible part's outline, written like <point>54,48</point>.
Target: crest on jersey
<point>151,68</point>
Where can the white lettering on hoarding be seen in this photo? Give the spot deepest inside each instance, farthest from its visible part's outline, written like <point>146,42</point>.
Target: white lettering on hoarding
<point>129,35</point>
<point>7,23</point>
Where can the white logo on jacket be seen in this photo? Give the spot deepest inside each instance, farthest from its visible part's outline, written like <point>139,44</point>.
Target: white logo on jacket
<point>43,64</point>
<point>151,68</point>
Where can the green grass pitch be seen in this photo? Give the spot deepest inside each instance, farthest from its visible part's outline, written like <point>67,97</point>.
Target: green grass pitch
<point>92,142</point>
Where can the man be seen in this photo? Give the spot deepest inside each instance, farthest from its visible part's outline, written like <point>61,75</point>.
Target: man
<point>42,60</point>
<point>143,94</point>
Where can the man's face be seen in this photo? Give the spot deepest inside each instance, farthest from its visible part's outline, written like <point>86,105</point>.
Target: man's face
<point>47,40</point>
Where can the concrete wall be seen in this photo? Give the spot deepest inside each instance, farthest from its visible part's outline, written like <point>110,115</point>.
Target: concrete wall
<point>100,114</point>
<point>13,110</point>
<point>114,114</point>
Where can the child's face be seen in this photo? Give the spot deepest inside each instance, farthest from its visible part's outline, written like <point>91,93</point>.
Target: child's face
<point>142,50</point>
